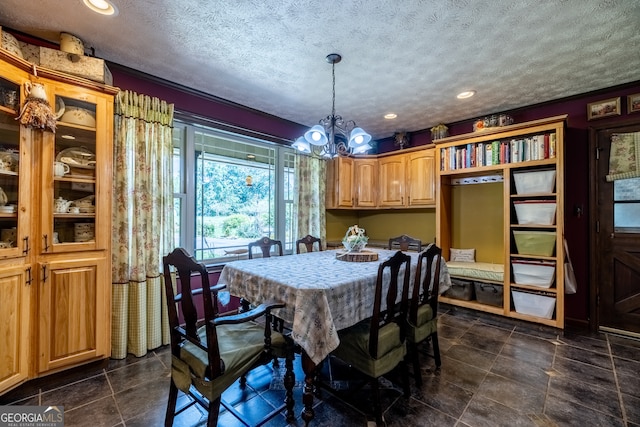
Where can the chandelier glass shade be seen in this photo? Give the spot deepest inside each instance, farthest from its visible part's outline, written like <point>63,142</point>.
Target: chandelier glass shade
<point>333,136</point>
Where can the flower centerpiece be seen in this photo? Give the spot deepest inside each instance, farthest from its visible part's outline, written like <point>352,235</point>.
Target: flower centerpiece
<point>355,240</point>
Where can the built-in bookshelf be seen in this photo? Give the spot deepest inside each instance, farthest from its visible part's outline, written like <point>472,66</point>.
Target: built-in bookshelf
<point>498,157</point>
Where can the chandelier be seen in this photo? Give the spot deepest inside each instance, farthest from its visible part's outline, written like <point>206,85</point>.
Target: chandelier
<point>333,136</point>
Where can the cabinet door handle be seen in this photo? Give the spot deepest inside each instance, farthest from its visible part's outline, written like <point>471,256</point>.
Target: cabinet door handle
<point>25,245</point>
<point>29,277</point>
<point>44,273</point>
<point>46,242</point>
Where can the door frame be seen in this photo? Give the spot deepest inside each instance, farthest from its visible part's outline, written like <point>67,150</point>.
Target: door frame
<point>594,315</point>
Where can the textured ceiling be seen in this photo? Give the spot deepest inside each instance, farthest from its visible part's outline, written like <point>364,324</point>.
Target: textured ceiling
<point>407,57</point>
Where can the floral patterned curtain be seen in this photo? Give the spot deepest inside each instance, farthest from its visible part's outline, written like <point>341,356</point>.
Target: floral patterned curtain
<point>624,159</point>
<point>311,177</point>
<point>142,222</point>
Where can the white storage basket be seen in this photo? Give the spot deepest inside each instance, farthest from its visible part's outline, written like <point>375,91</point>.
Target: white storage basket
<point>541,212</point>
<point>535,181</point>
<point>534,304</point>
<point>534,273</point>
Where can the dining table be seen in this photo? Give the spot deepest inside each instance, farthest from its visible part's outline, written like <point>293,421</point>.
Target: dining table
<point>323,294</point>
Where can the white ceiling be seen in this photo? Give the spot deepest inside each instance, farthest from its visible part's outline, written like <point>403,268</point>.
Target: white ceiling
<point>407,57</point>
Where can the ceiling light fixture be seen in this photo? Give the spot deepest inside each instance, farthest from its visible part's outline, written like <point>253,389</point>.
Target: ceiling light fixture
<point>390,116</point>
<point>466,94</point>
<point>102,7</point>
<point>333,136</point>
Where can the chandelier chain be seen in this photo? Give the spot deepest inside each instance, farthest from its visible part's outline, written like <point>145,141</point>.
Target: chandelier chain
<point>333,105</point>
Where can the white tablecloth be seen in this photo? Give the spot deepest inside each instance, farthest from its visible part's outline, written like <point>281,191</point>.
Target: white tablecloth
<point>322,294</point>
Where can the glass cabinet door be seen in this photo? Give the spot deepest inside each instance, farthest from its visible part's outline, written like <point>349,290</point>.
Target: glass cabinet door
<point>14,174</point>
<point>70,162</point>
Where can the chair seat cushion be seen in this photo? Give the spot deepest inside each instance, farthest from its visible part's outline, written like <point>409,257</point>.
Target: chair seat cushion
<point>426,325</point>
<point>241,346</point>
<point>354,348</point>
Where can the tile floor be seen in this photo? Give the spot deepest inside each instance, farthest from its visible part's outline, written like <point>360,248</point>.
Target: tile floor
<point>495,372</point>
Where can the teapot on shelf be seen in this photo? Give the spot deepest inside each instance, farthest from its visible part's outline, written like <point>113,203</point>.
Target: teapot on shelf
<point>35,90</point>
<point>61,205</point>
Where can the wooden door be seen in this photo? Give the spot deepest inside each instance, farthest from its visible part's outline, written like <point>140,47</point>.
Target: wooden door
<point>365,182</point>
<point>615,249</point>
<point>15,327</point>
<point>392,181</point>
<point>74,305</point>
<point>420,178</point>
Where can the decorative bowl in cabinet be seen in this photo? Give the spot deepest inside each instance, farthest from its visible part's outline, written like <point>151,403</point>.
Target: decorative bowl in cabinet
<point>78,116</point>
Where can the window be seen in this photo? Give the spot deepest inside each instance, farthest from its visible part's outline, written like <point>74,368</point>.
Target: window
<point>230,190</point>
<point>626,205</point>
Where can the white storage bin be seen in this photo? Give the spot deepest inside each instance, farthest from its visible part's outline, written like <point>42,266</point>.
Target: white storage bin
<point>534,304</point>
<point>541,212</point>
<point>534,273</point>
<point>535,181</point>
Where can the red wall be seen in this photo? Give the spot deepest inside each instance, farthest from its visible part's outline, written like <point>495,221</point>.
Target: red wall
<point>576,143</point>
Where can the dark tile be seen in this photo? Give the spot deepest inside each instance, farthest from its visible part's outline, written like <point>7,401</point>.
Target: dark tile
<point>481,342</point>
<point>533,343</point>
<point>461,374</point>
<point>102,412</point>
<point>629,384</point>
<point>483,412</point>
<point>333,412</point>
<point>593,343</point>
<point>142,371</point>
<point>632,408</point>
<point>591,357</point>
<point>597,398</point>
<point>624,341</point>
<point>413,412</point>
<point>450,332</point>
<point>585,372</point>
<point>568,413</point>
<point>522,372</point>
<point>251,410</point>
<point>627,367</point>
<point>539,331</point>
<point>445,343</point>
<point>78,394</point>
<point>146,400</point>
<point>625,352</point>
<point>443,396</point>
<point>512,394</point>
<point>474,357</point>
<point>523,354</point>
<point>490,331</point>
<point>29,401</point>
<point>456,321</point>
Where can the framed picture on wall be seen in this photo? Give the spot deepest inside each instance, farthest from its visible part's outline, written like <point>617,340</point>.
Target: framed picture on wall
<point>633,103</point>
<point>604,108</point>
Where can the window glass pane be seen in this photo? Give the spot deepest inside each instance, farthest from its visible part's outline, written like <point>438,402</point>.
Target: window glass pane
<point>626,206</point>
<point>626,217</point>
<point>626,189</point>
<point>177,223</point>
<point>234,195</point>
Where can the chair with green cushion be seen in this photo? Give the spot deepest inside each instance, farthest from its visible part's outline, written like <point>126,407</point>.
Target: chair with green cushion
<point>309,242</point>
<point>377,345</point>
<point>208,356</point>
<point>423,308</point>
<point>405,243</point>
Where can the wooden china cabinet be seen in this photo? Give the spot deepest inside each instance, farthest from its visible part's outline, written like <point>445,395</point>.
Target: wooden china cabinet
<point>55,227</point>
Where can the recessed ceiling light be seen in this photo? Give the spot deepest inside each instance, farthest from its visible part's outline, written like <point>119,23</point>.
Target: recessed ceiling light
<point>466,94</point>
<point>251,156</point>
<point>68,136</point>
<point>102,7</point>
<point>390,116</point>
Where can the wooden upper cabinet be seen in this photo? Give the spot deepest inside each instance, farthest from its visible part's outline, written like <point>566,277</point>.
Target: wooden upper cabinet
<point>392,181</point>
<point>420,178</point>
<point>366,171</point>
<point>340,188</point>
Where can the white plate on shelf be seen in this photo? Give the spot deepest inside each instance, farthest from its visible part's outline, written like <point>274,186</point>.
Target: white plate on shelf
<point>77,157</point>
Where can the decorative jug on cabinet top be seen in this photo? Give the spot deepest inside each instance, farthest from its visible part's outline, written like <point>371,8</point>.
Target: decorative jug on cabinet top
<point>35,90</point>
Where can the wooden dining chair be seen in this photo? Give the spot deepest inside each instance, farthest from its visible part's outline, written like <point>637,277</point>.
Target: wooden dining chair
<point>208,355</point>
<point>265,244</point>
<point>308,242</point>
<point>423,308</point>
<point>405,243</point>
<point>377,345</point>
